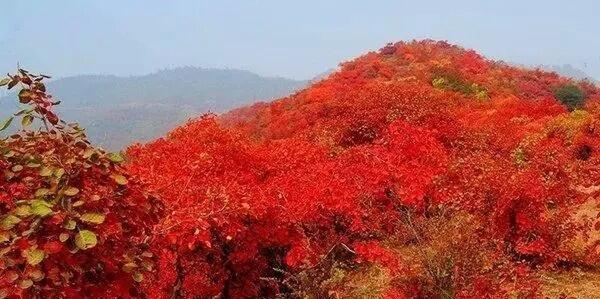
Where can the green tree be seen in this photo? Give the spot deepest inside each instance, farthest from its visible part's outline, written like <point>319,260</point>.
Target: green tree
<point>570,95</point>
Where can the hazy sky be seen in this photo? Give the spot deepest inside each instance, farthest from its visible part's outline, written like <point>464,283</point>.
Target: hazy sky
<point>296,39</point>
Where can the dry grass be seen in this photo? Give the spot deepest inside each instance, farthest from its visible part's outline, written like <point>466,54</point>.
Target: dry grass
<point>443,254</point>
<point>583,248</point>
<point>367,282</point>
<point>571,284</point>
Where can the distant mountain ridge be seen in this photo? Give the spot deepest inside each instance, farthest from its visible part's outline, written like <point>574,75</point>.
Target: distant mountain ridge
<point>570,71</point>
<point>118,111</point>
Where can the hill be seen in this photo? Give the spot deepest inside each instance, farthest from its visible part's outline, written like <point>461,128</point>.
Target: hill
<point>422,170</point>
<point>118,111</point>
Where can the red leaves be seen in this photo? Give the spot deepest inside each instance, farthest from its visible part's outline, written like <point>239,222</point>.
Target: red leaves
<point>374,253</point>
<point>363,158</point>
<point>65,226</point>
<point>278,185</point>
<point>53,247</point>
<point>297,256</point>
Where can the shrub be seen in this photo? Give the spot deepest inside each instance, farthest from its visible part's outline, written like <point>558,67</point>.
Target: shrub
<point>442,255</point>
<point>72,224</point>
<point>570,95</point>
<point>454,83</point>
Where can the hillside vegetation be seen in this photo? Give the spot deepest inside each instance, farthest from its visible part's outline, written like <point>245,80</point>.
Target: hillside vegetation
<point>422,170</point>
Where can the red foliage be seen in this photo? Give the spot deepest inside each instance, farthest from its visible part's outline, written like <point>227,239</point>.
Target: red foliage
<point>70,221</point>
<point>275,186</point>
<point>374,253</point>
<point>356,169</point>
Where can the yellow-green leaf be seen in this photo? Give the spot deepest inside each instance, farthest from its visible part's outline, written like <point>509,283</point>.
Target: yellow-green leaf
<point>129,267</point>
<point>119,179</point>
<point>4,81</point>
<point>88,152</point>
<point>4,124</point>
<point>9,154</point>
<point>34,256</point>
<point>137,276</point>
<point>85,239</point>
<point>95,218</point>
<point>41,192</point>
<point>36,275</point>
<point>33,165</point>
<point>41,208</point>
<point>63,237</point>
<point>23,210</point>
<point>26,120</point>
<point>25,284</point>
<point>71,191</point>
<point>4,237</point>
<point>46,171</point>
<point>71,224</point>
<point>116,157</point>
<point>9,222</point>
<point>59,172</point>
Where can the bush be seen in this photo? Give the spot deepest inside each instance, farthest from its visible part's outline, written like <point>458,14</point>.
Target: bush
<point>570,95</point>
<point>72,224</point>
<point>442,255</point>
<point>454,83</point>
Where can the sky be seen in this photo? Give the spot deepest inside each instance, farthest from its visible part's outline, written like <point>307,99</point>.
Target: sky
<point>294,39</point>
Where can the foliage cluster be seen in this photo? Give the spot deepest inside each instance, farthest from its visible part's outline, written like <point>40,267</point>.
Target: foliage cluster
<point>71,220</point>
<point>570,95</point>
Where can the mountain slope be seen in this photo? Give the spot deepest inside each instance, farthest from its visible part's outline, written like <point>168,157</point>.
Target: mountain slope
<point>422,170</point>
<point>121,110</point>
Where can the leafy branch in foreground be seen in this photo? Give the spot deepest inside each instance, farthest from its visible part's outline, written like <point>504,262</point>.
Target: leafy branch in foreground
<point>71,221</point>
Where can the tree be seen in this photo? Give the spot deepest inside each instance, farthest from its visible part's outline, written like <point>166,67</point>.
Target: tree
<point>570,95</point>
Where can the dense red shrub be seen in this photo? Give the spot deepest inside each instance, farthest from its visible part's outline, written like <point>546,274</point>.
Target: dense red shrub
<point>264,193</point>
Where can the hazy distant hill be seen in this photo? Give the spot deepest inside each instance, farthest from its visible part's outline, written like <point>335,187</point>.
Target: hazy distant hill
<point>570,71</point>
<point>120,110</point>
<point>323,75</point>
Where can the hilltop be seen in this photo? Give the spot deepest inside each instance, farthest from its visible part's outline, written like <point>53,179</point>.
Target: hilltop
<point>420,170</point>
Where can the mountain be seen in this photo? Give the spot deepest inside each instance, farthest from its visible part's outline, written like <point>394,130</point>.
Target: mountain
<point>118,111</point>
<point>422,170</point>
